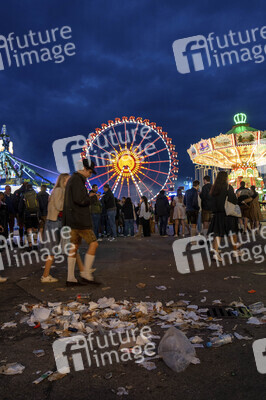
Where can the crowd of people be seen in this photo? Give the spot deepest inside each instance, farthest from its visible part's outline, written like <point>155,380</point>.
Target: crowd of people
<point>93,216</point>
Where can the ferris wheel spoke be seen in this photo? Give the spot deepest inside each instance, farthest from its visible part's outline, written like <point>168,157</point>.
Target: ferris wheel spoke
<point>125,135</point>
<point>153,162</point>
<point>111,144</point>
<point>98,176</point>
<point>117,180</point>
<point>103,166</point>
<point>135,183</point>
<point>122,183</point>
<point>153,170</point>
<point>144,137</point>
<point>101,158</point>
<point>134,137</point>
<point>147,188</point>
<point>149,177</point>
<point>101,148</point>
<point>117,139</point>
<point>128,188</point>
<point>156,152</point>
<point>108,180</point>
<point>145,148</point>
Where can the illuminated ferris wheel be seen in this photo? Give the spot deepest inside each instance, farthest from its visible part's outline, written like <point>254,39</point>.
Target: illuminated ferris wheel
<point>134,156</point>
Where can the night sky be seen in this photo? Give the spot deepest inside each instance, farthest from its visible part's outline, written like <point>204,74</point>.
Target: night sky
<point>124,65</point>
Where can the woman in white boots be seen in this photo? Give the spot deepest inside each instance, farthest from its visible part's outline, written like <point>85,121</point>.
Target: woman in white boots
<point>53,225</point>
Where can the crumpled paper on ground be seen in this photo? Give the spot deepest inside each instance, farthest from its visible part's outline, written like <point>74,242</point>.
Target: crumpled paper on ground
<point>11,324</point>
<point>12,369</point>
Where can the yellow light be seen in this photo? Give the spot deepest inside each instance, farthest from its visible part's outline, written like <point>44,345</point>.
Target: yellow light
<point>126,160</point>
<point>127,163</point>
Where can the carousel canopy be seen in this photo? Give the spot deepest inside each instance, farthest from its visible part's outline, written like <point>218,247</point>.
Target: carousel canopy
<point>242,146</point>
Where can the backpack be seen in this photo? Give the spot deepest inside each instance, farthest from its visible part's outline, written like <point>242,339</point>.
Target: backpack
<point>31,202</point>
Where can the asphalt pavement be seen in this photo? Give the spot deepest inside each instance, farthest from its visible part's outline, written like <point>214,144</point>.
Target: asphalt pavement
<point>228,372</point>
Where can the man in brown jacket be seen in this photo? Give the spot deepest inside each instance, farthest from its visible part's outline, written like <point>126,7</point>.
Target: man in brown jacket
<point>76,215</point>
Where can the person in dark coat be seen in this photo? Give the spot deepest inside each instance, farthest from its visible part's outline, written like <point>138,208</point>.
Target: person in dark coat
<point>77,215</point>
<point>3,216</point>
<point>192,207</point>
<point>111,209</point>
<point>43,198</point>
<point>206,204</point>
<point>128,211</point>
<point>162,210</point>
<point>96,210</point>
<point>10,208</point>
<point>244,199</point>
<point>20,218</point>
<point>223,225</point>
<point>30,210</point>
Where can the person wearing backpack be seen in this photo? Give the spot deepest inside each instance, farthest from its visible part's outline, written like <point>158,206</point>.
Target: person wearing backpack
<point>29,208</point>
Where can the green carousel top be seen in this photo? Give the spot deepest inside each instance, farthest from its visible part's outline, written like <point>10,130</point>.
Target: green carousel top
<point>240,124</point>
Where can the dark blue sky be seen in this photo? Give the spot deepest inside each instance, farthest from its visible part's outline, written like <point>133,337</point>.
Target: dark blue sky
<point>124,65</point>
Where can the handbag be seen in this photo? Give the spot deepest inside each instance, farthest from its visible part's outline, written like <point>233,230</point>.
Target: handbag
<point>232,209</point>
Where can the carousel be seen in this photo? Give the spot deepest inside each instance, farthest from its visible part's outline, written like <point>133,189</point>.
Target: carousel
<point>241,151</point>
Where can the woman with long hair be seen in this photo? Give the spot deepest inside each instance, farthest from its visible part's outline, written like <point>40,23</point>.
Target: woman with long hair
<point>145,215</point>
<point>179,215</point>
<point>53,225</point>
<point>223,225</point>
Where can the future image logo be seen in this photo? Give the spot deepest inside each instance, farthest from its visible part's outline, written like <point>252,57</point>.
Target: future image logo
<point>79,352</point>
<point>191,253</point>
<point>67,153</point>
<point>192,50</point>
<point>259,350</point>
<point>71,350</point>
<point>196,53</point>
<point>36,47</point>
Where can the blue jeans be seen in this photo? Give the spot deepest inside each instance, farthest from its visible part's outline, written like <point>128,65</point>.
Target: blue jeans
<point>96,218</point>
<point>163,224</point>
<point>111,219</point>
<point>129,227</point>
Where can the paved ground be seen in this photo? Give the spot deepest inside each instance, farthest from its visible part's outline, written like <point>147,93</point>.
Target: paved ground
<point>228,372</point>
